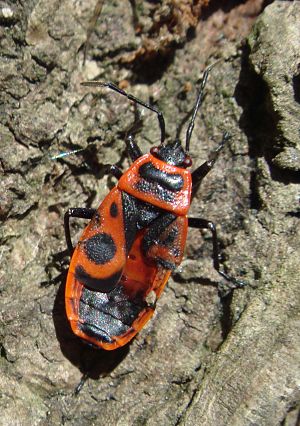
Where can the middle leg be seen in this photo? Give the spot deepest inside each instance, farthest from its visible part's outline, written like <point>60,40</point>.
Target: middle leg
<point>206,224</point>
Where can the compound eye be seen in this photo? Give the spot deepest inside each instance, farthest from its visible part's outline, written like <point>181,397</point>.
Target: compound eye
<point>154,150</point>
<point>187,161</point>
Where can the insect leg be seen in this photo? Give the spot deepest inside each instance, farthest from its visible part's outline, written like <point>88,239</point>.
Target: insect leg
<point>80,212</point>
<point>201,171</point>
<point>133,149</point>
<point>115,171</point>
<point>80,385</point>
<point>161,120</point>
<point>206,224</point>
<point>134,153</point>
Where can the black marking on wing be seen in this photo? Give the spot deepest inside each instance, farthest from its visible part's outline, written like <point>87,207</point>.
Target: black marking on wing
<point>155,231</point>
<point>137,215</point>
<point>114,211</point>
<point>100,248</point>
<point>103,285</point>
<point>171,237</point>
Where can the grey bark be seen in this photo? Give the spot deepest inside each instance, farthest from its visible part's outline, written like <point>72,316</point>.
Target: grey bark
<point>208,357</point>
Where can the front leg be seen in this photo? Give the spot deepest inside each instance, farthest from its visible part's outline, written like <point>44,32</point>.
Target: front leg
<point>80,212</point>
<point>206,224</point>
<point>201,171</point>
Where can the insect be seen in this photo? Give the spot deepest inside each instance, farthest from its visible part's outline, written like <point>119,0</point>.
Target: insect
<point>136,238</point>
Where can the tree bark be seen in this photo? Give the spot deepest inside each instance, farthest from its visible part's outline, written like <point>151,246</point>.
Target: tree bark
<point>210,356</point>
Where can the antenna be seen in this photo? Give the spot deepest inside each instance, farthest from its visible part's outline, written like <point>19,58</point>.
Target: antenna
<point>197,106</point>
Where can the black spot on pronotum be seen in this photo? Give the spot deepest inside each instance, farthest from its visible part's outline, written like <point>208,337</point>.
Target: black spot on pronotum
<point>104,285</point>
<point>100,248</point>
<point>156,190</point>
<point>171,181</point>
<point>113,209</point>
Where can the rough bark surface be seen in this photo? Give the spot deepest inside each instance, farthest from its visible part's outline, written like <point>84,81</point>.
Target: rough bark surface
<point>208,357</point>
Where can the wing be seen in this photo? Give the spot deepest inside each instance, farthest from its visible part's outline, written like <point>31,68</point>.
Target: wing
<point>100,255</point>
<point>165,240</point>
<point>109,293</point>
<point>147,272</point>
<point>96,266</point>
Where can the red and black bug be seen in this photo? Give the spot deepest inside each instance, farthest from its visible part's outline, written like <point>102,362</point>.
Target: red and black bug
<point>136,238</point>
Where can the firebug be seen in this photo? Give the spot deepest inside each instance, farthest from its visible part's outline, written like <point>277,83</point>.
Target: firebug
<point>136,238</point>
